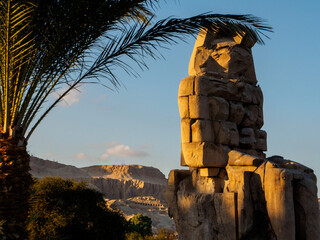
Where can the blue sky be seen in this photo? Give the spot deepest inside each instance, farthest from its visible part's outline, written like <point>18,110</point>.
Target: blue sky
<point>140,123</point>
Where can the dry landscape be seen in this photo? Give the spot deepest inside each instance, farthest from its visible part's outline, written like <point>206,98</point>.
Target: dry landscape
<point>131,188</point>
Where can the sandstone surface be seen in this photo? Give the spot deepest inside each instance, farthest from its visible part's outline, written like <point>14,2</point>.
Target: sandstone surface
<point>114,181</point>
<point>231,190</point>
<point>265,199</point>
<point>220,104</point>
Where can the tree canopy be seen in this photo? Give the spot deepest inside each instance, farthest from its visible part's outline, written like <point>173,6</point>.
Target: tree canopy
<point>64,209</point>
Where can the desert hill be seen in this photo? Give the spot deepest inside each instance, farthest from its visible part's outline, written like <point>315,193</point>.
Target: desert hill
<point>114,181</point>
<point>127,172</point>
<point>131,188</point>
<point>42,168</point>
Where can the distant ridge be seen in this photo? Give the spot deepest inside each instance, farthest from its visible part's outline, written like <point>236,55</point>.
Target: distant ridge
<point>127,172</point>
<point>43,168</point>
<point>114,181</point>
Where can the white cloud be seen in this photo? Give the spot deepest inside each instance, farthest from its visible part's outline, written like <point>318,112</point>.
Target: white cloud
<point>71,98</point>
<point>104,156</point>
<point>122,151</point>
<point>112,144</point>
<point>81,156</point>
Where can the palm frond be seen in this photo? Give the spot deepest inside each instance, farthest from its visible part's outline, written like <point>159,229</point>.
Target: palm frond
<point>138,41</point>
<point>46,45</point>
<point>16,48</point>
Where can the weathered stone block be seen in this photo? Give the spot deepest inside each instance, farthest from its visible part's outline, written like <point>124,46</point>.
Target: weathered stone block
<point>253,221</point>
<point>252,152</point>
<point>237,158</point>
<point>236,112</point>
<point>183,103</point>
<point>279,200</point>
<point>186,86</point>
<point>253,117</point>
<point>283,163</point>
<point>247,142</point>
<point>305,202</point>
<point>205,184</point>
<point>204,154</point>
<point>198,107</point>
<point>208,216</point>
<point>261,140</point>
<point>252,95</point>
<point>261,144</point>
<point>258,97</point>
<point>248,132</point>
<point>222,173</point>
<point>192,200</point>
<point>175,177</point>
<point>222,58</point>
<point>202,131</point>
<point>227,89</point>
<point>226,133</point>
<point>219,108</point>
<point>247,138</point>
<point>260,134</point>
<point>182,161</point>
<point>234,137</point>
<point>185,130</point>
<point>201,85</point>
<point>209,172</point>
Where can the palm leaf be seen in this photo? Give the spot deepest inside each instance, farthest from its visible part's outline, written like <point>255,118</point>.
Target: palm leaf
<point>15,48</point>
<point>49,44</point>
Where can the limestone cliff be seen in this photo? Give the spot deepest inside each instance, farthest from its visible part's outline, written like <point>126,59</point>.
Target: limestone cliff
<point>132,189</point>
<point>114,181</point>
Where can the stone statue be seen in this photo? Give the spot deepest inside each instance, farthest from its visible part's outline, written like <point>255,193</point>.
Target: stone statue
<point>222,57</point>
<point>220,104</point>
<point>232,191</point>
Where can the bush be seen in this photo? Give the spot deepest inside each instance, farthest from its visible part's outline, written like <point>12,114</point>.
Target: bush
<point>64,209</point>
<point>140,224</point>
<point>163,234</point>
<point>134,236</point>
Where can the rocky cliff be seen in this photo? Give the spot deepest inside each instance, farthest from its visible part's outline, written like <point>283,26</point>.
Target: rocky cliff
<point>114,181</point>
<point>131,188</point>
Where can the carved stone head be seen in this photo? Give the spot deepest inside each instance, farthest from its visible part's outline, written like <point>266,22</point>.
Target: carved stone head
<point>223,57</point>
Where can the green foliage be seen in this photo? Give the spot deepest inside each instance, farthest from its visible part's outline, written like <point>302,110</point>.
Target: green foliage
<point>163,234</point>
<point>140,224</point>
<point>63,209</point>
<point>134,236</point>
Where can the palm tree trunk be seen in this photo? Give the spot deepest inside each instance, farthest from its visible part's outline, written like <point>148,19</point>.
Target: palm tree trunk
<point>15,181</point>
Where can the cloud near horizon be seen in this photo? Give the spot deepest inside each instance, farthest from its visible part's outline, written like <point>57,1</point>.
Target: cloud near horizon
<point>81,156</point>
<point>71,98</point>
<point>122,151</point>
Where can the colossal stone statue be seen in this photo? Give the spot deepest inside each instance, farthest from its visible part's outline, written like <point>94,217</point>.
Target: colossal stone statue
<point>220,104</point>
<point>232,191</point>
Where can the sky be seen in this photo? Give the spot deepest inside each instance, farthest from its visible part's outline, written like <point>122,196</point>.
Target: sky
<point>140,123</point>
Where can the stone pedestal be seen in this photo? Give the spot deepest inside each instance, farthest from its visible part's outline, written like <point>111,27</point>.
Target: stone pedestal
<point>265,199</point>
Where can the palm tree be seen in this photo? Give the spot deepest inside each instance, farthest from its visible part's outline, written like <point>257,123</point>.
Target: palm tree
<point>46,45</point>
